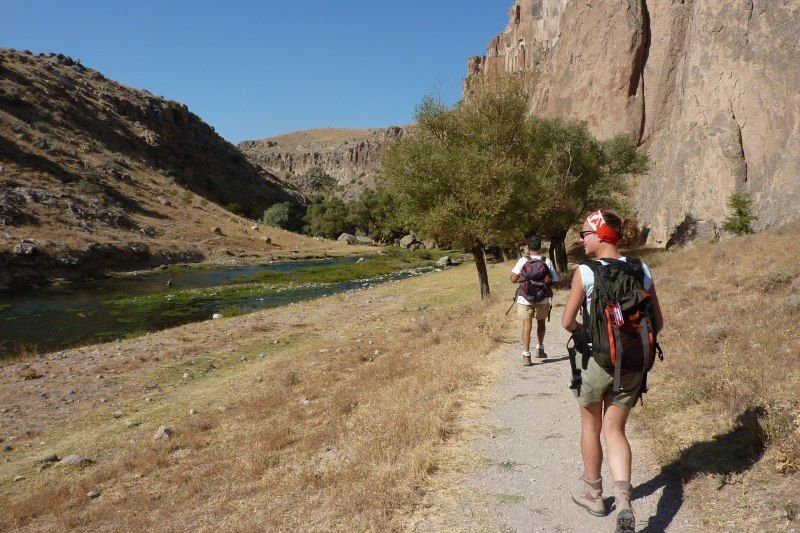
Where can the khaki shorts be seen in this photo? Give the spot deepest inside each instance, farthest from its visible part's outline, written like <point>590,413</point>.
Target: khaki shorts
<point>538,311</point>
<point>598,385</point>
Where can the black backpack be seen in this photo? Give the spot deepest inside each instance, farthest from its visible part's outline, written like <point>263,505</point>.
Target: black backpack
<point>621,322</point>
<point>535,286</point>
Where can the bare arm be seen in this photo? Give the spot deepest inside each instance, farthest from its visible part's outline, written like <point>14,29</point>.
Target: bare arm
<point>657,310</point>
<point>516,278</point>
<point>574,302</point>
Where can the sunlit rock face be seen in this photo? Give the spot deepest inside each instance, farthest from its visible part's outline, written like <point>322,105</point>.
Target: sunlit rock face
<point>710,90</point>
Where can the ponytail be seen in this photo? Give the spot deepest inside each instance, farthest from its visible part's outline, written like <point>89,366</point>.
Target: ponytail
<point>627,229</point>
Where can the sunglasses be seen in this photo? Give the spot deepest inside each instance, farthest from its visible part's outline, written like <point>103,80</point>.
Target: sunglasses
<point>583,234</point>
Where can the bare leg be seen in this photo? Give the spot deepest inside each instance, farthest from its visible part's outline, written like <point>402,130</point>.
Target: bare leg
<point>591,451</point>
<point>527,325</point>
<point>619,450</point>
<point>541,327</point>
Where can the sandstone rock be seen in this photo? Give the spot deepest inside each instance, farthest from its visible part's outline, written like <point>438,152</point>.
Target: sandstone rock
<point>415,246</point>
<point>348,239</point>
<point>75,460</point>
<point>216,316</point>
<point>409,240</point>
<point>163,433</point>
<point>365,241</point>
<point>350,157</point>
<point>131,423</point>
<point>267,240</point>
<point>92,494</point>
<point>217,230</point>
<point>708,89</point>
<point>444,261</point>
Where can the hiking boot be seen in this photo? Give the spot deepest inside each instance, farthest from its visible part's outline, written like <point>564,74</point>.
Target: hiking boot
<point>590,497</point>
<point>526,359</point>
<point>541,354</point>
<point>626,521</point>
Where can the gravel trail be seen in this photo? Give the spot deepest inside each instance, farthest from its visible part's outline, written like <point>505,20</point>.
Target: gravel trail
<point>529,460</point>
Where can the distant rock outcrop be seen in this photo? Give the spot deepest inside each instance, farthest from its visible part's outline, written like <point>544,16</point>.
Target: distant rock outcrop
<point>349,156</point>
<point>708,89</point>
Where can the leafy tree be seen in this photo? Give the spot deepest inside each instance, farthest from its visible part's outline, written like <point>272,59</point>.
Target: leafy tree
<point>486,174</point>
<point>456,178</point>
<point>320,181</point>
<point>284,215</point>
<point>327,218</point>
<point>374,213</point>
<point>741,220</point>
<point>571,173</point>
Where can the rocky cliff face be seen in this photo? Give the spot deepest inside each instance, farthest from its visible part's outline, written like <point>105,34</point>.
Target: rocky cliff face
<point>349,156</point>
<point>711,90</point>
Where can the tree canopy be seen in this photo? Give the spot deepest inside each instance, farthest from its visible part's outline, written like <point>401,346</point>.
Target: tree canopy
<point>485,173</point>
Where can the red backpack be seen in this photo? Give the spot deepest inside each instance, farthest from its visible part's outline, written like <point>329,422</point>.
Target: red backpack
<point>535,286</point>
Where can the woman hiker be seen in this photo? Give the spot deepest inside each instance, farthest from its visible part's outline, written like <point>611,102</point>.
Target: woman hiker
<point>601,408</point>
<point>527,310</point>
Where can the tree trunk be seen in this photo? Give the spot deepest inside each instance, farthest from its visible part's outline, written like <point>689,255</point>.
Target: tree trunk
<point>480,264</point>
<point>558,251</point>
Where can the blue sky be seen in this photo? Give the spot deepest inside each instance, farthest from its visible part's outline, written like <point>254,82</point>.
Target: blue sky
<point>254,69</point>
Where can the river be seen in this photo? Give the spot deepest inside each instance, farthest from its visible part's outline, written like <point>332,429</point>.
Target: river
<point>52,318</point>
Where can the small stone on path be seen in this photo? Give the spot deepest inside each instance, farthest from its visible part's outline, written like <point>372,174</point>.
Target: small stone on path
<point>131,423</point>
<point>216,316</point>
<point>92,494</point>
<point>18,478</point>
<point>49,458</point>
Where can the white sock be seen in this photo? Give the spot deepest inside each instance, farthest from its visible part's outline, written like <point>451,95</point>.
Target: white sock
<point>540,346</point>
<point>526,352</point>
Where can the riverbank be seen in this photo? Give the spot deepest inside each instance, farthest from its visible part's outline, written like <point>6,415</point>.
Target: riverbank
<point>52,318</point>
<point>31,262</point>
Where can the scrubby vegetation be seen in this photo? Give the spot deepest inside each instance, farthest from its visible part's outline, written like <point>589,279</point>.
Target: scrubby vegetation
<point>724,405</point>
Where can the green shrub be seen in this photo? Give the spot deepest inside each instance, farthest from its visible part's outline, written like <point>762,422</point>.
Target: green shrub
<point>740,221</point>
<point>284,215</point>
<point>234,208</point>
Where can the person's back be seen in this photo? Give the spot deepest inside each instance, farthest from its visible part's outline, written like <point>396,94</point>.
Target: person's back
<point>533,306</point>
<point>606,396</point>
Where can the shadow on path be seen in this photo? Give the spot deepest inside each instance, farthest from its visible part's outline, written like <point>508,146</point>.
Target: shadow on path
<point>729,453</point>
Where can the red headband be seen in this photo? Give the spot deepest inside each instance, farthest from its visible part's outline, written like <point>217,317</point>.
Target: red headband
<point>601,228</point>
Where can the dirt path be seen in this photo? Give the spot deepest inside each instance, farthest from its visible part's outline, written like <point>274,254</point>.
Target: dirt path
<point>529,461</point>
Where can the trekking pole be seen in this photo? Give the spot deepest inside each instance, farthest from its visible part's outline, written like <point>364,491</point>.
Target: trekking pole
<point>512,305</point>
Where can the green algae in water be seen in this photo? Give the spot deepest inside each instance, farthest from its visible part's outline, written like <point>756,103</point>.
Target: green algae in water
<point>371,267</point>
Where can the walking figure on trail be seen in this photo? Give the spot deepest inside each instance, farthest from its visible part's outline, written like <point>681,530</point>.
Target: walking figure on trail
<point>534,274</point>
<point>617,339</point>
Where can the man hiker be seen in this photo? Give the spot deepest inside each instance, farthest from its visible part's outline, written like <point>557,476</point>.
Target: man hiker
<point>534,273</point>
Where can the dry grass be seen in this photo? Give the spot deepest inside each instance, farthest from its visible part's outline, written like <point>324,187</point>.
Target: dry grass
<point>342,439</point>
<point>724,406</point>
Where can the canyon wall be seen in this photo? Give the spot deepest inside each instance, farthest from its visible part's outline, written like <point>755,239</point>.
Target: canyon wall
<point>710,90</point>
<point>350,156</point>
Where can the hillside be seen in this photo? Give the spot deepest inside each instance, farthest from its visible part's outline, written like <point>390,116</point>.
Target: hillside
<point>708,89</point>
<point>94,175</point>
<point>349,156</point>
